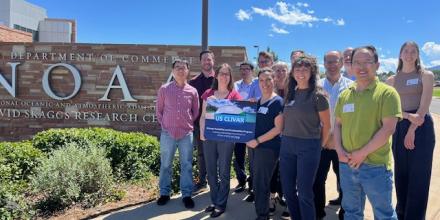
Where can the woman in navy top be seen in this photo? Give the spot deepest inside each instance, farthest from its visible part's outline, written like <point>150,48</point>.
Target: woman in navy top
<point>265,147</point>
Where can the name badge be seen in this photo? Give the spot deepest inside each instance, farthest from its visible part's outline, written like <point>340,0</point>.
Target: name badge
<point>291,103</point>
<point>410,82</point>
<point>263,110</point>
<point>244,95</point>
<point>348,108</point>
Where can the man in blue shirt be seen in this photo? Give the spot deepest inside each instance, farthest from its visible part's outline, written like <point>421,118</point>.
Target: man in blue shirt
<point>265,59</point>
<point>243,87</point>
<point>334,83</point>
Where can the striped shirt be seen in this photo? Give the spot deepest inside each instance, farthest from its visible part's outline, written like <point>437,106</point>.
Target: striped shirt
<point>177,108</point>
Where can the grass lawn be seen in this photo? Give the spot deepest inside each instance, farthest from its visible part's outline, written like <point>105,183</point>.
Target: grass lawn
<point>436,92</point>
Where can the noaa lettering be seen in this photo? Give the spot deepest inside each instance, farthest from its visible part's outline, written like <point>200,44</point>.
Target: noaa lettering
<point>76,78</point>
<point>11,88</point>
<point>122,85</point>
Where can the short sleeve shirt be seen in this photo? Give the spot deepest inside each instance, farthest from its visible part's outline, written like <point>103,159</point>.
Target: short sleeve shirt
<point>233,95</point>
<point>266,114</point>
<point>361,115</point>
<point>301,115</point>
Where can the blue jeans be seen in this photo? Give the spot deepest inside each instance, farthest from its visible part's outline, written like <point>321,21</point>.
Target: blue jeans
<point>374,181</point>
<point>299,161</point>
<point>168,146</point>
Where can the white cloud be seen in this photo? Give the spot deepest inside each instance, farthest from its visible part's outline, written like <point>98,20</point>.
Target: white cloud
<point>290,14</point>
<point>409,21</point>
<point>326,19</point>
<point>435,63</point>
<point>388,64</point>
<point>270,35</point>
<point>431,49</point>
<point>243,15</point>
<point>279,30</point>
<point>340,22</point>
<point>301,4</point>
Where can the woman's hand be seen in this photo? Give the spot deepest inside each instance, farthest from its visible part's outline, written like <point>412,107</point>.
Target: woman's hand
<point>416,119</point>
<point>409,139</point>
<point>202,136</point>
<point>252,143</point>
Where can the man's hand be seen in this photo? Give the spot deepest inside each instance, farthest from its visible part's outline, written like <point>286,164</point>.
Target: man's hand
<point>342,155</point>
<point>356,158</point>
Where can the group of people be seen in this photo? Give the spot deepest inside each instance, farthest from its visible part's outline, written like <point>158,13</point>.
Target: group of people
<point>349,121</point>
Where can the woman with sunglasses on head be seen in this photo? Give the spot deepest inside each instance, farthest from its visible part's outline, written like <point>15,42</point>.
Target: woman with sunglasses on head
<point>306,127</point>
<point>414,138</point>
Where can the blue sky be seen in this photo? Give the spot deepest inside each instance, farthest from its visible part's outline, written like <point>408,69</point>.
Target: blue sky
<point>314,26</point>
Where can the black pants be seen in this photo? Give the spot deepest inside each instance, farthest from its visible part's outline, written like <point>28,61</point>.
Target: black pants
<point>327,157</point>
<point>239,162</point>
<point>264,164</point>
<point>412,169</point>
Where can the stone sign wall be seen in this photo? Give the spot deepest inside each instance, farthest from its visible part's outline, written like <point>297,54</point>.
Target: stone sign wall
<point>86,85</point>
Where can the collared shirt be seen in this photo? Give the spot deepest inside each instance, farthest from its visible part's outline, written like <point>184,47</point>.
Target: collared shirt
<point>177,108</point>
<point>201,83</point>
<point>352,77</point>
<point>243,88</point>
<point>361,114</point>
<point>333,92</point>
<point>254,91</point>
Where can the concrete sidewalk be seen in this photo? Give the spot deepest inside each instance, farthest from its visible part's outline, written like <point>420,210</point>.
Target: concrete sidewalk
<point>237,209</point>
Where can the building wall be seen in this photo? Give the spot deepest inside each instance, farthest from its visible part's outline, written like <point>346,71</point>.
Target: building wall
<point>26,14</point>
<point>145,69</point>
<point>57,30</point>
<point>5,6</point>
<point>12,35</point>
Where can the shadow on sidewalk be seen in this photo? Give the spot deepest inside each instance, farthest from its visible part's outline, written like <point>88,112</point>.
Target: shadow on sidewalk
<point>174,209</point>
<point>237,209</point>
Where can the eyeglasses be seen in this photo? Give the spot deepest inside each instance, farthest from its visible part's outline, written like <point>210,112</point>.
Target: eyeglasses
<point>223,73</point>
<point>359,64</point>
<point>331,61</point>
<point>244,69</point>
<point>180,67</point>
<point>264,61</point>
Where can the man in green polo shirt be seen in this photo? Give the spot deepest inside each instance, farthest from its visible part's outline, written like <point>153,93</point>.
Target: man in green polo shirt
<point>366,117</point>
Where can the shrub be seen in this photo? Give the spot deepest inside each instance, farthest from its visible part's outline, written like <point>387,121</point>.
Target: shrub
<point>73,174</point>
<point>132,155</point>
<point>17,162</point>
<point>13,205</point>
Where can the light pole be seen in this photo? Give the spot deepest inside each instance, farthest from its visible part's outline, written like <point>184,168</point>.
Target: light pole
<point>205,25</point>
<point>258,51</point>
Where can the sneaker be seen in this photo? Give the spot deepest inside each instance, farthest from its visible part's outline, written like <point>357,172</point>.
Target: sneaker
<point>285,215</point>
<point>216,213</point>
<point>282,201</point>
<point>210,208</point>
<point>163,200</point>
<point>336,201</point>
<point>240,188</point>
<point>250,197</point>
<point>272,206</point>
<point>199,188</point>
<point>188,202</point>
